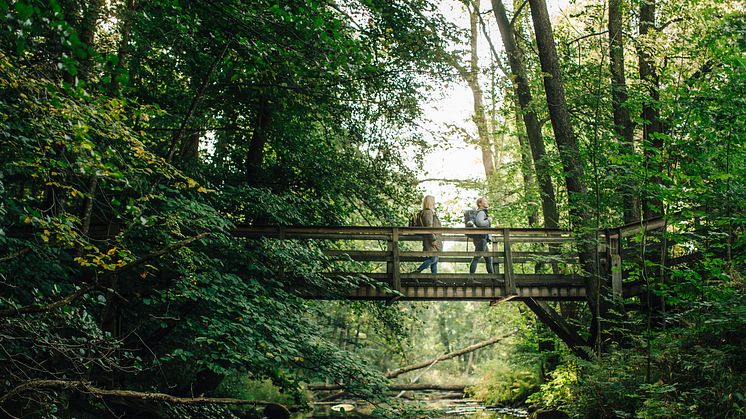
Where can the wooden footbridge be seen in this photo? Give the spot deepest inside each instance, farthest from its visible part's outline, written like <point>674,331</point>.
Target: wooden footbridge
<point>538,264</point>
<point>529,265</point>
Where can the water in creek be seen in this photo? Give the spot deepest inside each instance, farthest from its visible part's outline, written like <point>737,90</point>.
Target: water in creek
<point>446,408</point>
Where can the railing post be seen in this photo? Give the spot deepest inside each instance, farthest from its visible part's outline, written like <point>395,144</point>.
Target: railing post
<point>495,260</point>
<point>394,244</point>
<point>615,251</point>
<point>508,259</point>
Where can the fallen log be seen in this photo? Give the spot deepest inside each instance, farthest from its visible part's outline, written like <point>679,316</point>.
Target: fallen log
<point>424,364</point>
<point>399,387</point>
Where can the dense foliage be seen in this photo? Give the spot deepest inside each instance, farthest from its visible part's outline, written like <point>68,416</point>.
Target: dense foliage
<point>134,135</point>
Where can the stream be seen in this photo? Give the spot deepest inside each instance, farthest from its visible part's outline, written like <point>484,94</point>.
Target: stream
<point>444,408</point>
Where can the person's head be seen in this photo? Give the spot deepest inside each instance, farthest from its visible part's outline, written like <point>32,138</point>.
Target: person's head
<point>428,202</point>
<point>482,202</point>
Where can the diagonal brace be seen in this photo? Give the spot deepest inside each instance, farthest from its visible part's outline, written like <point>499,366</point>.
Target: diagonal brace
<point>559,326</point>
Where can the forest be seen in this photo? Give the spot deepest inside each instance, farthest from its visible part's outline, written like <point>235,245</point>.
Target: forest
<point>147,147</point>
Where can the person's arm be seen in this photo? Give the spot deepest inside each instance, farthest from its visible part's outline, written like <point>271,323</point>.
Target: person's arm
<point>482,220</point>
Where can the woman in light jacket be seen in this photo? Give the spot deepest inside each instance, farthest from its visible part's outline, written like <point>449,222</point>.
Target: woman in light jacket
<point>430,242</point>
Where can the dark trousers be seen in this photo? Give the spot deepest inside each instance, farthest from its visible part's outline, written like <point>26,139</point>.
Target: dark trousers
<point>480,245</point>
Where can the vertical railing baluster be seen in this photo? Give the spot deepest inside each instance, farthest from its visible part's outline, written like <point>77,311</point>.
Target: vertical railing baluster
<point>615,249</point>
<point>395,258</point>
<point>508,260</point>
<point>495,259</point>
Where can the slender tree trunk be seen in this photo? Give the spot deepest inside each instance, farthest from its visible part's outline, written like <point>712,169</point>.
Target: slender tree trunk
<point>90,20</point>
<point>623,126</point>
<point>126,15</point>
<point>176,140</point>
<point>652,125</point>
<point>258,139</point>
<point>526,169</point>
<point>87,212</point>
<point>570,155</point>
<point>522,90</point>
<point>471,77</point>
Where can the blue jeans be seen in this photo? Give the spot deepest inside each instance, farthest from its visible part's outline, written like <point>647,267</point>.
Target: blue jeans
<point>480,245</point>
<point>432,262</point>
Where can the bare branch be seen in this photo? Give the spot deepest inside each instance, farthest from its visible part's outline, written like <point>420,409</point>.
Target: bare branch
<point>487,36</point>
<point>586,36</point>
<point>15,255</point>
<point>517,13</point>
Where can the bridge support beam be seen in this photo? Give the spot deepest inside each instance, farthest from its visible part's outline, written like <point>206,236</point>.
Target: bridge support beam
<point>559,326</point>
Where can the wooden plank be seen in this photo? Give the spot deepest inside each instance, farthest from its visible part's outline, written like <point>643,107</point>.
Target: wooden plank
<point>634,228</point>
<point>453,253</point>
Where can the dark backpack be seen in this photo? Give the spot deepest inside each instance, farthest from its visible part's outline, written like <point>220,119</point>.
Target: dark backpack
<point>470,221</point>
<point>416,219</point>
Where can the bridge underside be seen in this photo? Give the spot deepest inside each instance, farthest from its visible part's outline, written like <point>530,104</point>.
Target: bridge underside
<point>467,287</point>
<point>469,293</point>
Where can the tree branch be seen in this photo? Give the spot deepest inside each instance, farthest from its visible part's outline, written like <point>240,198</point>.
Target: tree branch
<point>487,36</point>
<point>15,255</point>
<point>424,364</point>
<point>88,388</point>
<point>195,101</point>
<point>517,13</point>
<point>586,36</point>
<point>42,308</point>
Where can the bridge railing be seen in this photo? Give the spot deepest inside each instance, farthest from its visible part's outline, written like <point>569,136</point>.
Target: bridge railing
<point>389,252</point>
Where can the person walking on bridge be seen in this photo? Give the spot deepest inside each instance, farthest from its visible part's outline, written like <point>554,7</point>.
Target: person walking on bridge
<point>481,242</point>
<point>430,242</point>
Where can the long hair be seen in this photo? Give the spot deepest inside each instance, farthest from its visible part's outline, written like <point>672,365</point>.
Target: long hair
<point>428,202</point>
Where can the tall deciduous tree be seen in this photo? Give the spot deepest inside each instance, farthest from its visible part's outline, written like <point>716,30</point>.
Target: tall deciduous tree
<point>572,164</point>
<point>471,76</point>
<point>623,125</point>
<point>652,125</point>
<point>522,91</point>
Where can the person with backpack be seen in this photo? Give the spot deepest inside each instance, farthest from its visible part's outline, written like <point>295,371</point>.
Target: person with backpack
<point>430,242</point>
<point>481,241</point>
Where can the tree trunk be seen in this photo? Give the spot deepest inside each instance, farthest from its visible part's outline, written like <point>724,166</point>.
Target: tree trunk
<point>126,15</point>
<point>176,140</point>
<point>526,169</point>
<point>623,126</point>
<point>258,140</point>
<point>471,77</point>
<point>652,126</point>
<point>531,121</point>
<point>90,20</point>
<point>570,155</point>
